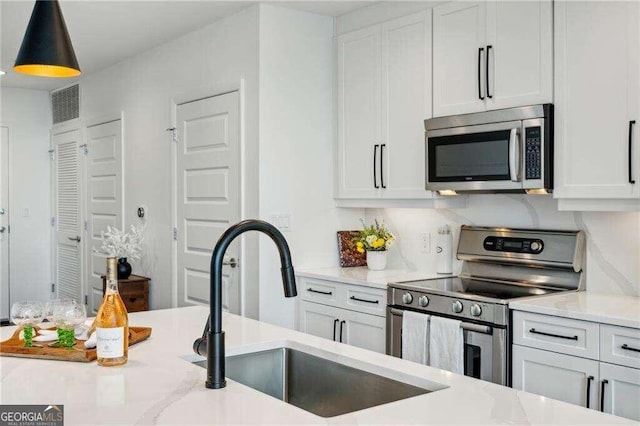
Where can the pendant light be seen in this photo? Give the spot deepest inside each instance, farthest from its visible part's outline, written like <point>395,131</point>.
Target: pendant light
<point>46,49</point>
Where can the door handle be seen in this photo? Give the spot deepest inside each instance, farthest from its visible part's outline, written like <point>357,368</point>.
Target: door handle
<point>382,166</point>
<point>375,175</point>
<point>76,239</point>
<point>487,71</point>
<point>480,50</point>
<point>602,386</point>
<point>364,300</point>
<point>631,180</point>
<point>559,336</point>
<point>233,262</point>
<point>624,346</point>
<point>341,326</point>
<point>514,157</point>
<point>589,380</point>
<point>2,229</point>
<point>335,322</point>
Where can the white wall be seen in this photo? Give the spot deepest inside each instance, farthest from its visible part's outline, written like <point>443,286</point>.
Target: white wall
<point>143,87</point>
<point>27,113</point>
<point>296,159</point>
<point>613,239</point>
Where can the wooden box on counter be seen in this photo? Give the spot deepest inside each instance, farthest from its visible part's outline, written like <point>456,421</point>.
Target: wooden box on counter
<point>134,292</point>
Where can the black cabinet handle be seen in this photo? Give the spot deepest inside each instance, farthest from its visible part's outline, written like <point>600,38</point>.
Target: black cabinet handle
<point>534,331</point>
<point>335,322</point>
<point>629,348</point>
<point>602,384</point>
<point>631,180</point>
<point>341,326</point>
<point>480,50</point>
<point>328,293</point>
<point>382,166</point>
<point>375,176</point>
<point>589,380</point>
<point>487,72</point>
<point>364,300</point>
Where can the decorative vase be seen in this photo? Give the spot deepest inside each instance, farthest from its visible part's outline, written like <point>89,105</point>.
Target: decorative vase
<point>124,268</point>
<point>376,260</point>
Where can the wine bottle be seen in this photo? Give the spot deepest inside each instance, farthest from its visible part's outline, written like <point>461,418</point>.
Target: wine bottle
<point>112,322</point>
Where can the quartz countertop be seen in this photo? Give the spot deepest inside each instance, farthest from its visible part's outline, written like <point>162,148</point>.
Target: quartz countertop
<point>584,305</point>
<point>361,275</point>
<point>159,386</point>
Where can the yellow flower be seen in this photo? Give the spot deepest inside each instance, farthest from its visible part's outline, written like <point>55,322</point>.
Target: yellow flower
<point>360,249</point>
<point>378,243</point>
<point>359,244</point>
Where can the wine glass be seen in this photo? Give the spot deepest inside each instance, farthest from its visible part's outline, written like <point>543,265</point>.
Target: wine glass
<point>49,308</point>
<point>67,315</point>
<point>26,314</point>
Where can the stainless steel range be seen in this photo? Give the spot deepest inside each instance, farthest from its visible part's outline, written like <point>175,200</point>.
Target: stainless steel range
<point>500,265</point>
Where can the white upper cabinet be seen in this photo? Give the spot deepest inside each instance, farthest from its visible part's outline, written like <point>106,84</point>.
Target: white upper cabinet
<point>384,94</point>
<point>597,143</point>
<point>491,54</point>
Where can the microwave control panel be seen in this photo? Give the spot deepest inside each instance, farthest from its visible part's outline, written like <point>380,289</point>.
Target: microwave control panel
<point>533,152</point>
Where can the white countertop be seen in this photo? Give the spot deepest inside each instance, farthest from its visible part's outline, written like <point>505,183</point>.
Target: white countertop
<point>361,275</point>
<point>158,386</point>
<point>584,305</point>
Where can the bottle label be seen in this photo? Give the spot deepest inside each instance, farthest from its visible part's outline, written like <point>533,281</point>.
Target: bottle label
<point>110,342</point>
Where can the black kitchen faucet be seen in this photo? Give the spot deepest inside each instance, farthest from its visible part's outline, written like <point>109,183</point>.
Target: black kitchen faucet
<point>211,344</point>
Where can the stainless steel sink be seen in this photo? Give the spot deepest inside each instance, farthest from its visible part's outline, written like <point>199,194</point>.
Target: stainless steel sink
<point>318,385</point>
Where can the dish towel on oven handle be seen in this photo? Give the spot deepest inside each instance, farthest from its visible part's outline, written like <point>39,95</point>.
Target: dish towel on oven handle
<point>415,337</point>
<point>446,344</point>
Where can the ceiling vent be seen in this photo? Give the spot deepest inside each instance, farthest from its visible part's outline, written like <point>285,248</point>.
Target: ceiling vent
<point>65,104</point>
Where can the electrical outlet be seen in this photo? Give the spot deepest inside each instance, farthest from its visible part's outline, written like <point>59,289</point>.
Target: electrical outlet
<point>281,221</point>
<point>425,242</point>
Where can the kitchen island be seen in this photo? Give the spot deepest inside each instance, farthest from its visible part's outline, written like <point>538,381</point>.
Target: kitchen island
<point>160,386</point>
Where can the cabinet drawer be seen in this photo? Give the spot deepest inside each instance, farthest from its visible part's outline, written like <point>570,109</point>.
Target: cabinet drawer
<point>620,345</point>
<point>368,300</point>
<point>568,336</point>
<point>319,291</point>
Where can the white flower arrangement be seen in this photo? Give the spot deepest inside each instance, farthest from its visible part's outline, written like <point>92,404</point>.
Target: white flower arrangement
<point>116,243</point>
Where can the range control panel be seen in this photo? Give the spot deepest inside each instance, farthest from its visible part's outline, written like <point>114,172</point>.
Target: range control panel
<point>514,245</point>
<point>533,152</point>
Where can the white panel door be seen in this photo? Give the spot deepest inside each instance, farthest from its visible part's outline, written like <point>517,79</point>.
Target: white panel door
<point>318,320</point>
<point>359,114</point>
<point>364,330</point>
<point>406,102</point>
<point>459,34</point>
<point>67,241</point>
<point>104,199</point>
<point>4,224</point>
<point>621,390</point>
<point>520,49</point>
<point>208,195</point>
<point>562,377</point>
<point>597,84</point>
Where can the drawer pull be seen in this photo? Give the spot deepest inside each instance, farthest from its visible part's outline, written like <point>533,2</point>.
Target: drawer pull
<point>629,348</point>
<point>602,385</point>
<point>365,300</point>
<point>328,293</point>
<point>534,331</point>
<point>589,380</point>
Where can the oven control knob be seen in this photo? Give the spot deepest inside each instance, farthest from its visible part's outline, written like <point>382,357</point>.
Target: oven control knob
<point>476,310</point>
<point>457,306</point>
<point>423,301</point>
<point>536,246</point>
<point>407,298</point>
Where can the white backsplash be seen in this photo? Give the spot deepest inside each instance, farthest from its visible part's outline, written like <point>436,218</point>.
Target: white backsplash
<point>613,238</point>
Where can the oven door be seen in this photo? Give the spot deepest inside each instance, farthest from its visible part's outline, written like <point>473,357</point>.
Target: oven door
<point>475,158</point>
<point>485,348</point>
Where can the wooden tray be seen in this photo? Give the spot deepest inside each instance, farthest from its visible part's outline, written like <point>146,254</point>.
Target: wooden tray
<point>349,255</point>
<point>15,347</point>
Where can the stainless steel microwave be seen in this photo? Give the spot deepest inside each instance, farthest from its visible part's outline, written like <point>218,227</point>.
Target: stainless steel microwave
<point>507,150</point>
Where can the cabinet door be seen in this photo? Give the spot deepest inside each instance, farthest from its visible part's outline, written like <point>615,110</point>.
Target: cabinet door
<point>597,47</point>
<point>459,32</point>
<point>520,53</point>
<point>363,330</point>
<point>556,376</point>
<point>358,78</point>
<point>621,391</point>
<point>318,320</point>
<point>406,103</point>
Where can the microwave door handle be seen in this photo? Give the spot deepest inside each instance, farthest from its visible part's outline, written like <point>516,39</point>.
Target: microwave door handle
<point>514,155</point>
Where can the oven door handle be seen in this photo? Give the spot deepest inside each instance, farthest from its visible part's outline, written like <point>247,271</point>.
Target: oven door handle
<point>477,328</point>
<point>514,155</point>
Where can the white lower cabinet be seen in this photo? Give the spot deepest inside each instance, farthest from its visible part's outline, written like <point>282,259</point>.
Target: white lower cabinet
<point>563,377</point>
<point>583,380</point>
<point>341,325</point>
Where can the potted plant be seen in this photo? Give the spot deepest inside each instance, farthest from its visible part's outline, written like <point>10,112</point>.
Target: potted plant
<point>375,239</point>
<point>124,246</point>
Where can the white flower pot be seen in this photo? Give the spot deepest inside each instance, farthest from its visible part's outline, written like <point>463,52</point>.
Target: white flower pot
<point>376,260</point>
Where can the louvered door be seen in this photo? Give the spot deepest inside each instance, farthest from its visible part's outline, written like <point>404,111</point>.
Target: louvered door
<point>67,249</point>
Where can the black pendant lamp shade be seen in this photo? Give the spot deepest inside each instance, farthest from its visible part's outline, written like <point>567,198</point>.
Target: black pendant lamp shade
<point>46,49</point>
